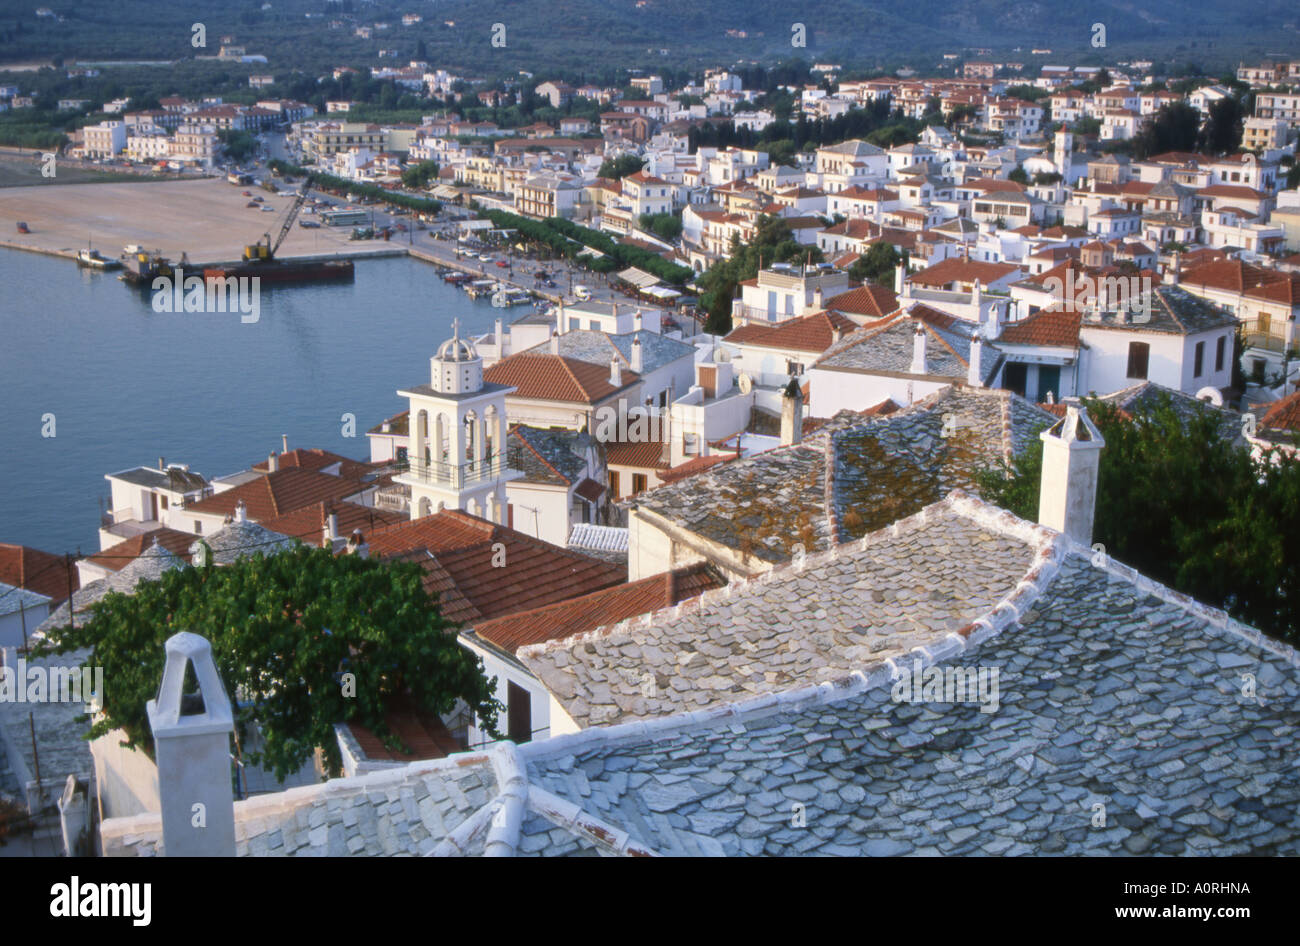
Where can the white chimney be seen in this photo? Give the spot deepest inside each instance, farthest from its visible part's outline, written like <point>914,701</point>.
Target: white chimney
<point>636,362</point>
<point>191,735</point>
<point>496,336</point>
<point>555,343</point>
<point>636,322</point>
<point>284,443</point>
<point>792,413</point>
<point>272,462</point>
<point>817,299</point>
<point>357,545</point>
<point>615,372</point>
<point>241,512</point>
<point>899,272</point>
<point>974,376</point>
<point>331,528</point>
<point>1071,460</point>
<point>918,350</point>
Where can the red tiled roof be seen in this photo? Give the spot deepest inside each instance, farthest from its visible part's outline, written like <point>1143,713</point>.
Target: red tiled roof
<point>547,377</point>
<point>646,455</point>
<point>118,556</point>
<point>1054,328</point>
<point>810,333</point>
<point>41,572</point>
<point>316,459</point>
<point>872,301</point>
<point>278,494</point>
<point>457,552</point>
<point>699,465</point>
<point>959,269</point>
<point>423,733</point>
<point>1232,275</point>
<point>599,609</point>
<point>308,523</point>
<point>1284,415</point>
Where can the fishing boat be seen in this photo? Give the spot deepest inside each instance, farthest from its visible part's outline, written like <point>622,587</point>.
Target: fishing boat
<point>93,259</point>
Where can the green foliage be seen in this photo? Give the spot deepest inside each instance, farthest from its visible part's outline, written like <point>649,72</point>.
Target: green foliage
<point>240,145</point>
<point>341,186</point>
<point>620,167</point>
<point>418,176</point>
<point>1174,128</point>
<point>665,226</point>
<point>773,242</point>
<point>1223,127</point>
<point>1019,176</point>
<point>1181,503</point>
<point>876,265</point>
<point>283,628</point>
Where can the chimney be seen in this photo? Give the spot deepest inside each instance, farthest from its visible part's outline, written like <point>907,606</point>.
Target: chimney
<point>192,748</point>
<point>496,336</point>
<point>900,272</point>
<point>791,413</point>
<point>331,528</point>
<point>918,349</point>
<point>974,376</point>
<point>637,364</point>
<point>615,372</point>
<point>817,299</point>
<point>636,322</point>
<point>162,465</point>
<point>1071,460</point>
<point>555,343</point>
<point>284,443</point>
<point>272,462</point>
<point>241,512</point>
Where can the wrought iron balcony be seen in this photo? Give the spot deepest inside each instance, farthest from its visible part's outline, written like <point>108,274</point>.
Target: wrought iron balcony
<point>455,475</point>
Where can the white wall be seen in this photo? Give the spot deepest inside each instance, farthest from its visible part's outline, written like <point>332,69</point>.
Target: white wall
<point>126,779</point>
<point>11,625</point>
<point>551,521</point>
<point>504,672</point>
<point>835,391</point>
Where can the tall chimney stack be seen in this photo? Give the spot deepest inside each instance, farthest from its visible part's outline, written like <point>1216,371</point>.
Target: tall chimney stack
<point>918,349</point>
<point>974,376</point>
<point>191,733</point>
<point>899,274</point>
<point>636,358</point>
<point>272,462</point>
<point>555,343</point>
<point>162,465</point>
<point>791,413</point>
<point>615,372</point>
<point>1071,460</point>
<point>284,443</point>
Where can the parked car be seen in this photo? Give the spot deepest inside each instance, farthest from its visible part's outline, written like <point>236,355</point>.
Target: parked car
<point>309,224</point>
<point>502,263</point>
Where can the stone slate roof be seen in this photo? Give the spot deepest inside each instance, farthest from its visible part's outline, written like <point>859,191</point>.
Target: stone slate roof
<point>880,469</point>
<point>1147,394</point>
<point>547,455</point>
<point>888,347</point>
<point>1112,690</point>
<point>173,478</point>
<point>1172,309</point>
<point>598,348</point>
<point>149,565</point>
<point>242,539</point>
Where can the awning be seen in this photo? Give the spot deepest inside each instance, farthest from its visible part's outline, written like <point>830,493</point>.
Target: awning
<point>661,292</point>
<point>638,277</point>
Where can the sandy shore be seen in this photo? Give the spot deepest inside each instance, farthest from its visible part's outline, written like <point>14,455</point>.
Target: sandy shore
<point>207,219</point>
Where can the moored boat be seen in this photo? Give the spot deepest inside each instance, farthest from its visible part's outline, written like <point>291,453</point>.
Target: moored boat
<point>93,259</point>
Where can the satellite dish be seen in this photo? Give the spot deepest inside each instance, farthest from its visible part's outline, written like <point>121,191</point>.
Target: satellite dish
<point>745,384</point>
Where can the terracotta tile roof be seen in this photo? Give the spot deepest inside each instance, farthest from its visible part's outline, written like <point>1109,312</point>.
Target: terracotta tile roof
<point>1054,328</point>
<point>398,425</point>
<point>316,459</point>
<point>308,523</point>
<point>1232,275</point>
<point>456,551</point>
<point>648,455</point>
<point>118,556</point>
<point>546,377</point>
<point>609,606</point>
<point>1284,415</point>
<point>959,269</point>
<point>1231,190</point>
<point>873,301</point>
<point>278,494</point>
<point>423,733</point>
<point>811,333</point>
<point>41,572</point>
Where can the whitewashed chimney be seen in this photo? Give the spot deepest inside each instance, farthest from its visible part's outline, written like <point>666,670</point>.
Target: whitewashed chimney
<point>555,343</point>
<point>918,350</point>
<point>637,364</point>
<point>615,372</point>
<point>332,529</point>
<point>1071,460</point>
<point>974,377</point>
<point>241,512</point>
<point>636,322</point>
<point>357,545</point>
<point>284,443</point>
<point>192,748</point>
<point>900,272</point>
<point>272,462</point>
<point>792,413</point>
<point>817,299</point>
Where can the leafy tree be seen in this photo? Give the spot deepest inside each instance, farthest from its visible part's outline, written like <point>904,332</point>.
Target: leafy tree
<point>876,265</point>
<point>283,629</point>
<point>620,167</point>
<point>1174,128</point>
<point>240,145</point>
<point>1223,125</point>
<point>419,175</point>
<point>1019,176</point>
<point>1179,501</point>
<point>773,242</point>
<point>665,226</point>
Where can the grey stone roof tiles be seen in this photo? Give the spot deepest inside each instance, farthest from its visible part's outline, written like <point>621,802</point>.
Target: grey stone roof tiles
<point>547,455</point>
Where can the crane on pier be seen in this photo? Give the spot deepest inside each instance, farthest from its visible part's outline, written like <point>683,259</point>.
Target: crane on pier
<point>260,251</point>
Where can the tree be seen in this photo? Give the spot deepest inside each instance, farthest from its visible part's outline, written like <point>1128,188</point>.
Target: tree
<point>665,226</point>
<point>240,145</point>
<point>1174,128</point>
<point>1180,502</point>
<point>1019,176</point>
<point>620,167</point>
<point>876,265</point>
<point>773,242</point>
<point>283,629</point>
<point>1223,125</point>
<point>418,175</point>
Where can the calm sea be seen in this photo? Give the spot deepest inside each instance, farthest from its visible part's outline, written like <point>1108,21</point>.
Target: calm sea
<point>127,384</point>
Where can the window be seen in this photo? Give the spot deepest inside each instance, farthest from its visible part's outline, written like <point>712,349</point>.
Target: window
<point>793,368</point>
<point>613,484</point>
<point>1139,354</point>
<point>198,527</point>
<point>1198,362</point>
<point>163,501</point>
<point>638,482</point>
<point>1218,352</point>
<point>519,709</point>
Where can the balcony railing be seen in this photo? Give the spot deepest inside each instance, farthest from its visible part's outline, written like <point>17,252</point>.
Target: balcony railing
<point>455,475</point>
